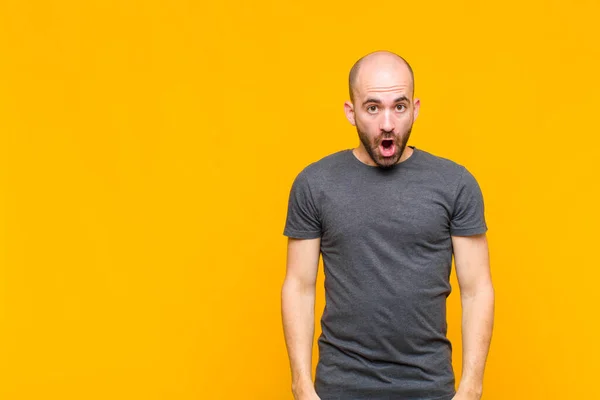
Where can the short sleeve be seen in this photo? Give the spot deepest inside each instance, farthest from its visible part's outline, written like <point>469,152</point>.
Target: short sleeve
<point>468,216</point>
<point>303,220</point>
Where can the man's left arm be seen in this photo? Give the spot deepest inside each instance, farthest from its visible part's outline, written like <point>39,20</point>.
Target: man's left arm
<point>471,258</point>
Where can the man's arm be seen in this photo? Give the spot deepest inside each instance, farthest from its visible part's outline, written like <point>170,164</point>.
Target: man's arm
<point>298,312</point>
<point>471,259</point>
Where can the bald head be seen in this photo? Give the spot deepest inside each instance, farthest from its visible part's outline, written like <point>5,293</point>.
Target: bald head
<point>374,61</point>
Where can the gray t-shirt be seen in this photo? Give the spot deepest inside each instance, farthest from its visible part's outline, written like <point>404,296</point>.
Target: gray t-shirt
<point>387,251</point>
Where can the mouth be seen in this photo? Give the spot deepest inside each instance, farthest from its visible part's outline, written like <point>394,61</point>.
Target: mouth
<point>387,147</point>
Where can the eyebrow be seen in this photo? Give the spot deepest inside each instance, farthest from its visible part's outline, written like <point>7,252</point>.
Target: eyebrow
<point>377,101</point>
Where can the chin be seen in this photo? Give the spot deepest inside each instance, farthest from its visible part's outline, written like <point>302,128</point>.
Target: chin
<point>386,162</point>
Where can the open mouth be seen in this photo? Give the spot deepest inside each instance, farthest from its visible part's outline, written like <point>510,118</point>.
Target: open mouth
<point>387,143</point>
<point>387,148</point>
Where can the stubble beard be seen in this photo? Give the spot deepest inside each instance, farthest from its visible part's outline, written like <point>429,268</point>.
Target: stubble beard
<point>372,149</point>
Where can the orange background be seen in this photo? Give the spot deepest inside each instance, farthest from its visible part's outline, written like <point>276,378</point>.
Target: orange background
<point>148,149</point>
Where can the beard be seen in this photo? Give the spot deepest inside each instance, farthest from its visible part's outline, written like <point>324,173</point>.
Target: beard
<point>372,147</point>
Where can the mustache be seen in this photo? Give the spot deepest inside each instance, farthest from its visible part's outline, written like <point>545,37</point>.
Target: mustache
<point>393,137</point>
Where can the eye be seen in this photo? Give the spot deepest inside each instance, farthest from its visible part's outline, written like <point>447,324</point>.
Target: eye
<point>372,109</point>
<point>400,107</point>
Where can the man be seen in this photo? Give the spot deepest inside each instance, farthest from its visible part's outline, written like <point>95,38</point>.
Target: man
<point>386,218</point>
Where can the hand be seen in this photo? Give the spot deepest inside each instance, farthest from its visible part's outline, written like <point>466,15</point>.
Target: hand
<point>305,392</point>
<point>307,395</point>
<point>466,396</point>
<point>312,396</point>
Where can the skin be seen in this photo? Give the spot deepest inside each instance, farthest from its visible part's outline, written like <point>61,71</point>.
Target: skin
<point>382,107</point>
<point>298,312</point>
<point>385,77</point>
<point>471,259</point>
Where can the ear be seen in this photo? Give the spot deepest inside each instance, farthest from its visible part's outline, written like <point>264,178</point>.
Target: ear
<point>349,110</point>
<point>416,106</point>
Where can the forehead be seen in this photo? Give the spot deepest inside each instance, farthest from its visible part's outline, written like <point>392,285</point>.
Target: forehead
<point>381,79</point>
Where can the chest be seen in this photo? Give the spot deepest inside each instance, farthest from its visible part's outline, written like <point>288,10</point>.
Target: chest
<point>405,212</point>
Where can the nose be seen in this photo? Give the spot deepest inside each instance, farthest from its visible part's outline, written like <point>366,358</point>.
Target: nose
<point>387,122</point>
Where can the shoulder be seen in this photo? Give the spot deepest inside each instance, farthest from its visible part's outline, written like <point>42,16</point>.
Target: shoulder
<point>459,181</point>
<point>325,166</point>
<point>445,168</point>
<point>438,162</point>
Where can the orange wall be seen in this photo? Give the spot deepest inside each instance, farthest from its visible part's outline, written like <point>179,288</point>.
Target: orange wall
<point>148,149</point>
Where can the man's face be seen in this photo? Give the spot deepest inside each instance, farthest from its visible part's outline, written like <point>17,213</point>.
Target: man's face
<point>383,112</point>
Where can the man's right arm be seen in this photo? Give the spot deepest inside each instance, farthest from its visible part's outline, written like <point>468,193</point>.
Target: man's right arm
<point>298,312</point>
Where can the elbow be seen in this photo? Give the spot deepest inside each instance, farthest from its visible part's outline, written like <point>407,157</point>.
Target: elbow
<point>483,290</point>
<point>296,286</point>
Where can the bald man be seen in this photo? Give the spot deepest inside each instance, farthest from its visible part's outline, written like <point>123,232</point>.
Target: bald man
<point>386,219</point>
